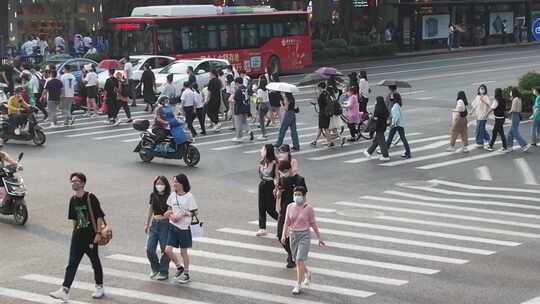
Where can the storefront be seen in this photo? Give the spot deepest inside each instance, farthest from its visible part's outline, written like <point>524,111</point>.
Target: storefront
<point>48,18</point>
<point>425,24</point>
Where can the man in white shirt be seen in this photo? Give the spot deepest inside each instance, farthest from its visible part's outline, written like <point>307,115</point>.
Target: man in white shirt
<point>128,73</point>
<point>188,106</point>
<point>59,44</point>
<point>68,94</point>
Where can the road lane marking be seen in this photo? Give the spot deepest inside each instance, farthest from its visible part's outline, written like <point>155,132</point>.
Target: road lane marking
<point>475,84</point>
<point>31,297</point>
<point>436,224</point>
<point>424,98</point>
<point>348,246</point>
<point>474,187</point>
<point>251,277</point>
<point>461,160</point>
<point>449,192</point>
<point>422,158</point>
<point>418,232</point>
<point>483,174</point>
<point>431,146</point>
<point>468,209</point>
<point>457,200</point>
<point>393,240</point>
<point>279,265</point>
<point>127,293</point>
<point>533,301</point>
<point>257,142</point>
<point>448,75</point>
<point>526,172</point>
<point>322,256</point>
<point>412,92</point>
<point>236,292</point>
<point>324,210</point>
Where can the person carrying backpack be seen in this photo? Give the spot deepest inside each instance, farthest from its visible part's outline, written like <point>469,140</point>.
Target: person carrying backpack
<point>241,111</point>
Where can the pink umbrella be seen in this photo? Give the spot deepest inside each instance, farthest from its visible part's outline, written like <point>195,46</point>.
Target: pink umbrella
<point>110,64</point>
<point>328,71</point>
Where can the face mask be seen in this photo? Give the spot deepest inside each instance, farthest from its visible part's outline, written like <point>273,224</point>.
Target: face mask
<point>299,200</point>
<point>283,156</point>
<point>482,91</point>
<point>160,188</point>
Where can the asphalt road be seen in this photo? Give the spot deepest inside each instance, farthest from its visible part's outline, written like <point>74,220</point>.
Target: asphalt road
<point>439,228</point>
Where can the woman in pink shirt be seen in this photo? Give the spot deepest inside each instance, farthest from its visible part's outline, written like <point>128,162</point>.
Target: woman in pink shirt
<point>299,218</point>
<point>352,113</point>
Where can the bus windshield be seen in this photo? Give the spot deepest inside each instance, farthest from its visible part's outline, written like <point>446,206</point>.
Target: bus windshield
<point>130,42</point>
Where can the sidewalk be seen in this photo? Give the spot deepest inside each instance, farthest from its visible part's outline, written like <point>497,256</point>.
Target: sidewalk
<point>398,55</point>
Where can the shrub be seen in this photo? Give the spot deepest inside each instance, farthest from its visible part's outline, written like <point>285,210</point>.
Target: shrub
<point>319,55</point>
<point>359,40</point>
<point>529,81</point>
<point>317,44</point>
<point>337,43</point>
<point>333,52</point>
<point>527,99</point>
<point>384,49</point>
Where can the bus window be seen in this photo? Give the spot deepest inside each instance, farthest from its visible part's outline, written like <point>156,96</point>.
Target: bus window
<point>248,36</point>
<point>165,40</point>
<point>277,29</point>
<point>228,36</point>
<point>208,37</point>
<point>189,38</point>
<point>265,31</point>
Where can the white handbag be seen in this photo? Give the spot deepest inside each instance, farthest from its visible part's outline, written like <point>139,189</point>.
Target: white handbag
<point>196,228</point>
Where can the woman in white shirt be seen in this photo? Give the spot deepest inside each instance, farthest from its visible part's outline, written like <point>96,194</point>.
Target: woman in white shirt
<point>363,92</point>
<point>264,106</point>
<point>91,83</point>
<point>459,123</point>
<point>515,112</point>
<point>199,105</point>
<point>481,108</point>
<point>182,207</point>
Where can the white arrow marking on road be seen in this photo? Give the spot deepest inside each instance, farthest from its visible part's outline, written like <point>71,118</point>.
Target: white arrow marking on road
<point>457,200</point>
<point>419,232</point>
<point>526,172</point>
<point>31,297</point>
<point>322,256</point>
<point>473,187</point>
<point>425,157</point>
<point>393,240</point>
<point>448,192</point>
<point>483,174</point>
<point>348,246</point>
<point>236,292</point>
<point>462,160</point>
<point>256,142</point>
<point>252,277</point>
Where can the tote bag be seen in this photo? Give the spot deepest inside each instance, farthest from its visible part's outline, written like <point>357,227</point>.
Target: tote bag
<point>196,228</point>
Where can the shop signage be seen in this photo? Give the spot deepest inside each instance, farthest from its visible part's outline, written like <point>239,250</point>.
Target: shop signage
<point>536,29</point>
<point>360,3</point>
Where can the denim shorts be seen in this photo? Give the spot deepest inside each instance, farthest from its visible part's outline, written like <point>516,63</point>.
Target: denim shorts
<point>179,237</point>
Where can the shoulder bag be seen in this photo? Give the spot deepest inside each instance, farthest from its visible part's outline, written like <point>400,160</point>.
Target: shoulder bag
<point>196,227</point>
<point>106,231</point>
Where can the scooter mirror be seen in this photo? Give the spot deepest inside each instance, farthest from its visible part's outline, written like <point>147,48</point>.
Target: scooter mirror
<point>20,156</point>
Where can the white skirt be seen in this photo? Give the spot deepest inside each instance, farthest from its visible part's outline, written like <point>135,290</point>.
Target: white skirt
<point>335,122</point>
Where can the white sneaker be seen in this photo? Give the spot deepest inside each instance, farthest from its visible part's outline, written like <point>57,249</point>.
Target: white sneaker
<point>382,158</point>
<point>153,275</point>
<point>465,149</point>
<point>307,279</point>
<point>366,153</point>
<point>296,290</point>
<point>503,150</point>
<point>450,149</point>
<point>526,148</point>
<point>100,292</point>
<point>261,232</point>
<point>218,127</point>
<point>60,294</point>
<point>236,139</point>
<point>261,137</point>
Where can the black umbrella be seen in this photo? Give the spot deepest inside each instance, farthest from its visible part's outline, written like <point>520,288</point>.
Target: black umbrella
<point>316,78</point>
<point>396,83</point>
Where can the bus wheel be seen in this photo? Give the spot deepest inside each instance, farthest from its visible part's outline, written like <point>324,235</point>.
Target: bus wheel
<point>273,65</point>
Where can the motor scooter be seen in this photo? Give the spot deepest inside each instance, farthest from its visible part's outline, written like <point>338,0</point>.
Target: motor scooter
<point>13,202</point>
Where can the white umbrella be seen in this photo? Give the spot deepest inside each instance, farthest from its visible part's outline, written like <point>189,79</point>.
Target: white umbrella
<point>282,87</point>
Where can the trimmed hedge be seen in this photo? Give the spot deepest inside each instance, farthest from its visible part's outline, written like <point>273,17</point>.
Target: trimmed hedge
<point>529,81</point>
<point>337,43</point>
<point>334,52</point>
<point>317,44</point>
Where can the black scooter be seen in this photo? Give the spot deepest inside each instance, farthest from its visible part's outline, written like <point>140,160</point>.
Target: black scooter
<point>150,146</point>
<point>34,133</point>
<point>14,203</point>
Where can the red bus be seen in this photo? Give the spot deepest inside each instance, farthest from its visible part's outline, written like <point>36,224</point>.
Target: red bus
<point>252,39</point>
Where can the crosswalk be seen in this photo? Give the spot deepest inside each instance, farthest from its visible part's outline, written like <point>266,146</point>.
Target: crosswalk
<point>428,151</point>
<point>420,229</point>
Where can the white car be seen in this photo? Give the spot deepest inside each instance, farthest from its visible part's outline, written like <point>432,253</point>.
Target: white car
<point>201,67</point>
<point>156,62</point>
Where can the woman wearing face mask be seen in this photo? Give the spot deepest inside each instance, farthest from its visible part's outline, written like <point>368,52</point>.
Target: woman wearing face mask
<point>284,153</point>
<point>515,112</point>
<point>300,217</point>
<point>267,174</point>
<point>157,228</point>
<point>481,107</point>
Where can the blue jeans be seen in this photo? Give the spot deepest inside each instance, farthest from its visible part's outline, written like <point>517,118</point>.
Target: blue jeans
<point>401,133</point>
<point>535,131</point>
<point>514,131</point>
<point>481,133</point>
<point>289,121</point>
<point>158,232</point>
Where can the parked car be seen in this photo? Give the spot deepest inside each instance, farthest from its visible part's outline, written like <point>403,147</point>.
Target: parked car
<point>156,62</point>
<point>75,65</point>
<point>201,67</point>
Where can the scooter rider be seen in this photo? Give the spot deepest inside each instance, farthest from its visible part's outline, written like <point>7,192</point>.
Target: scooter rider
<point>16,107</point>
<point>4,161</point>
<point>164,117</point>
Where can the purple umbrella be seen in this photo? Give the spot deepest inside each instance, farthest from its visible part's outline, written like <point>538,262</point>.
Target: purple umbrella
<point>328,71</point>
